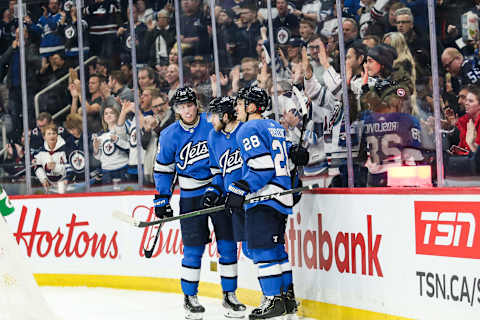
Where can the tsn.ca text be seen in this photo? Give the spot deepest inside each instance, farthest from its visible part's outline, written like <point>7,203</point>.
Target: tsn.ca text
<point>456,288</point>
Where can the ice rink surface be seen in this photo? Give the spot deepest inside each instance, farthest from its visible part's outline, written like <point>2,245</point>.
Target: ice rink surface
<point>79,303</point>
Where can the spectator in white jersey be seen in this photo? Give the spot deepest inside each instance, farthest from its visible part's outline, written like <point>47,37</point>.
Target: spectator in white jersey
<point>110,148</point>
<point>51,161</point>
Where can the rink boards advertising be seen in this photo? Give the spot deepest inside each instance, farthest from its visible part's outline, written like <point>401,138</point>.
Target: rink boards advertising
<point>401,255</point>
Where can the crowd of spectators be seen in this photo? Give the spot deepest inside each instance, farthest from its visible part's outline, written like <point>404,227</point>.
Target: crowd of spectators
<point>388,75</point>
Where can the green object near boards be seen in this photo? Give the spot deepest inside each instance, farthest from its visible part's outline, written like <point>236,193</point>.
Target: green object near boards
<point>6,206</point>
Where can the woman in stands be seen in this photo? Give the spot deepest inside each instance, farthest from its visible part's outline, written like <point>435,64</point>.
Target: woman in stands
<point>110,148</point>
<point>404,64</point>
<point>469,124</point>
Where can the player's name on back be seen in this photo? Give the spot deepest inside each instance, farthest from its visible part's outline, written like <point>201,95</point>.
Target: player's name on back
<point>277,132</point>
<point>381,127</point>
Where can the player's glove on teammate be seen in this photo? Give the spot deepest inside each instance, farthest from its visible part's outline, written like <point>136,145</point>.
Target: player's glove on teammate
<point>162,207</point>
<point>236,194</point>
<point>212,197</point>
<point>299,155</point>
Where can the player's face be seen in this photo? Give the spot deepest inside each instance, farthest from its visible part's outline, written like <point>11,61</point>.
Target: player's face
<point>188,112</point>
<point>217,124</point>
<point>240,109</point>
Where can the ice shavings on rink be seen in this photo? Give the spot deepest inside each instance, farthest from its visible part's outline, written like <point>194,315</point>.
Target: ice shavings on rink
<point>80,303</point>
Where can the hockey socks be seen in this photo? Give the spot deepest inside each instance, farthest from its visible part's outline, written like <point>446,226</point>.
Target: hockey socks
<point>191,263</point>
<point>269,271</point>
<point>228,264</point>
<point>285,266</point>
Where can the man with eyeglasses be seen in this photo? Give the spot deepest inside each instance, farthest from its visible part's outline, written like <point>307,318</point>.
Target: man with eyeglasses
<point>465,71</point>
<point>313,50</point>
<point>418,45</point>
<point>162,117</point>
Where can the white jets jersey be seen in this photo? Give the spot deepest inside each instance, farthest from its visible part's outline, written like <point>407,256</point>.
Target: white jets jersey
<point>58,154</point>
<point>112,154</point>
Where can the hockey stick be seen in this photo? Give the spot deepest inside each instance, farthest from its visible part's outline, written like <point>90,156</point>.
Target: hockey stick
<point>149,252</point>
<point>303,105</point>
<point>142,224</point>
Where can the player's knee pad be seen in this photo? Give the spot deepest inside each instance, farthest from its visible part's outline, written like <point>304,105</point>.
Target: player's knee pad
<point>227,250</point>
<point>192,256</point>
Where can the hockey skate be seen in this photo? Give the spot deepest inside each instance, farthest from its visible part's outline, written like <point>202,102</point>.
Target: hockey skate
<point>232,307</point>
<point>193,309</point>
<point>271,308</point>
<point>291,304</point>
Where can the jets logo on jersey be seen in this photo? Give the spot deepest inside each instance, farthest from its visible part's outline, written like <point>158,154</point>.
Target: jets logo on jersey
<point>69,32</point>
<point>108,147</point>
<point>230,162</point>
<point>128,42</point>
<point>133,138</point>
<point>77,160</point>
<point>193,153</point>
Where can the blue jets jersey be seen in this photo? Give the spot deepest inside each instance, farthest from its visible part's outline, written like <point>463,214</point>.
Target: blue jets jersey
<point>183,150</point>
<point>392,139</point>
<point>264,151</point>
<point>51,41</point>
<point>225,158</point>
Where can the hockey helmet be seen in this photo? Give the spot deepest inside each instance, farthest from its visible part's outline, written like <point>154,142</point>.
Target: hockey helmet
<point>184,95</point>
<point>259,97</point>
<point>223,105</point>
<point>242,93</point>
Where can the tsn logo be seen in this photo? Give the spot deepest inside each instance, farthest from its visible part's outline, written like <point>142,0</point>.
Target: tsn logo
<point>447,229</point>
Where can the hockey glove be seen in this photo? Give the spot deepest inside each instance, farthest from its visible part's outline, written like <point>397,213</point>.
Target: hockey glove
<point>299,155</point>
<point>162,207</point>
<point>236,194</point>
<point>211,197</point>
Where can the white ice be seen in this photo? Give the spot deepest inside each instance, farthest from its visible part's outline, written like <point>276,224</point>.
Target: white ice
<point>80,303</point>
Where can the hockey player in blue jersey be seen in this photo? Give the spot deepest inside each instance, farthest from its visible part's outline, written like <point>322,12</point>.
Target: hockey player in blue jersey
<point>183,151</point>
<point>226,167</point>
<point>265,153</point>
